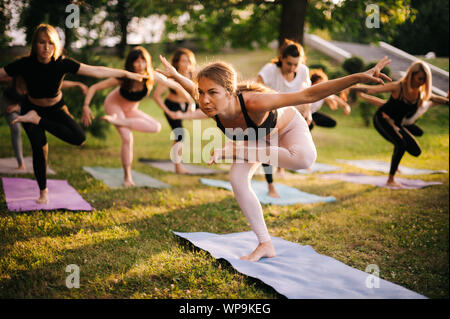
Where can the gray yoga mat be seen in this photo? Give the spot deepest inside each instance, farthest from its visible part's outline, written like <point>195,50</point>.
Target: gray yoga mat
<point>384,167</point>
<point>113,177</point>
<point>168,166</point>
<point>379,181</point>
<point>8,165</point>
<point>298,272</point>
<point>289,195</point>
<point>318,167</point>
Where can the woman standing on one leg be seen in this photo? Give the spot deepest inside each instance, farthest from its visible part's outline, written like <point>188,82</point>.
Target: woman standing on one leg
<point>333,101</point>
<point>408,95</point>
<point>44,108</point>
<point>183,61</point>
<point>13,96</point>
<point>122,103</point>
<point>277,129</point>
<point>286,73</point>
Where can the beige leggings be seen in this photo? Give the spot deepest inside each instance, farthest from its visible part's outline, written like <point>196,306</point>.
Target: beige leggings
<point>296,150</point>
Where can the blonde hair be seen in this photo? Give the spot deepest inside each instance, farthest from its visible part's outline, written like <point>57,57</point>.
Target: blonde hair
<point>224,75</point>
<point>54,38</point>
<point>424,89</point>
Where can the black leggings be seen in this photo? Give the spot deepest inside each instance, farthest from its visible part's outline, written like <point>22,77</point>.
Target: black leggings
<point>59,122</point>
<point>176,125</point>
<point>321,119</point>
<point>403,140</point>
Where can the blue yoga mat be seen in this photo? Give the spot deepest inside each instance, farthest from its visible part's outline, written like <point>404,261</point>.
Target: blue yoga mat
<point>289,195</point>
<point>318,167</point>
<point>298,272</point>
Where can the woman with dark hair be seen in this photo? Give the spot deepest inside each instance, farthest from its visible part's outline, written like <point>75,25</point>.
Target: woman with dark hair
<point>183,61</point>
<point>268,130</point>
<point>333,101</point>
<point>122,104</point>
<point>44,108</point>
<point>286,73</point>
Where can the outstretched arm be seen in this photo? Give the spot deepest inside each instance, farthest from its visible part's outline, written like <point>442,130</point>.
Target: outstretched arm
<point>104,72</point>
<point>372,99</point>
<point>439,100</point>
<point>71,84</point>
<point>160,78</point>
<point>267,102</point>
<point>170,72</point>
<point>87,115</point>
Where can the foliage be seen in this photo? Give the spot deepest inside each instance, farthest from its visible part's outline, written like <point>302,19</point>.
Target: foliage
<point>354,64</point>
<point>428,29</point>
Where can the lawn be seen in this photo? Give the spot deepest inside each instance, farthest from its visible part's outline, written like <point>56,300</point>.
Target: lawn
<point>125,247</point>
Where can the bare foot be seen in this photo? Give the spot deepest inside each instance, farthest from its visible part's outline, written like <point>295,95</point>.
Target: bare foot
<point>30,117</point>
<point>179,169</point>
<point>43,197</point>
<point>129,183</point>
<point>272,191</point>
<point>109,118</point>
<point>21,167</point>
<point>265,249</point>
<point>393,183</point>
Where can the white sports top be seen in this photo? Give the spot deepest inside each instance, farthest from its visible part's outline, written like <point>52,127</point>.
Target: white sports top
<point>272,77</point>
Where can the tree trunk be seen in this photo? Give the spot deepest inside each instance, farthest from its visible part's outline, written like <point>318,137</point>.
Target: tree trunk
<point>292,22</point>
<point>123,23</point>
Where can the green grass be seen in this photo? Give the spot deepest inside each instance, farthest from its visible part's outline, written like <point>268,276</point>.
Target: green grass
<point>440,62</point>
<point>125,248</point>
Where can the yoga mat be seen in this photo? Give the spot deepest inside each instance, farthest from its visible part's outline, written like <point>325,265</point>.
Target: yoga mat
<point>384,167</point>
<point>168,166</point>
<point>113,177</point>
<point>21,195</point>
<point>379,181</point>
<point>9,166</point>
<point>318,167</point>
<point>289,195</point>
<point>297,271</point>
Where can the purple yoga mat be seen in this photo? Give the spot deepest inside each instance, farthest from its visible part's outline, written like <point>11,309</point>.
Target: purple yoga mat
<point>379,181</point>
<point>21,195</point>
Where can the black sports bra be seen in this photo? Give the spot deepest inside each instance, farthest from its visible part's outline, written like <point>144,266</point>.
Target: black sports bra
<point>237,134</point>
<point>399,108</point>
<point>134,96</point>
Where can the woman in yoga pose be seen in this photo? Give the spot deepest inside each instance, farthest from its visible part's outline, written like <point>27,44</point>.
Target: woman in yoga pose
<point>122,103</point>
<point>183,61</point>
<point>408,96</point>
<point>280,134</point>
<point>318,118</point>
<point>13,97</point>
<point>44,109</point>
<point>286,73</point>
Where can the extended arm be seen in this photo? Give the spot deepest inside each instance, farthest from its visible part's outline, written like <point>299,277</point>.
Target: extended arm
<point>3,73</point>
<point>87,115</point>
<point>439,100</point>
<point>105,72</point>
<point>71,84</point>
<point>171,72</point>
<point>268,102</point>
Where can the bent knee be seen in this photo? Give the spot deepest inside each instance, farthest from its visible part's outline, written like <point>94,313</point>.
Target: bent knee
<point>304,158</point>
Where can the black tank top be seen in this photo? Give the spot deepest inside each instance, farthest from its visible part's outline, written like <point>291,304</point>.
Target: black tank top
<point>134,96</point>
<point>397,109</point>
<point>268,125</point>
